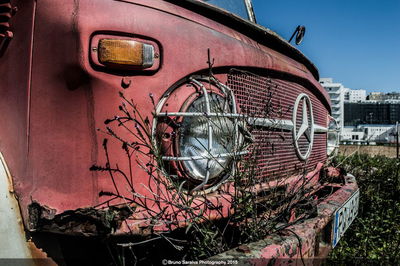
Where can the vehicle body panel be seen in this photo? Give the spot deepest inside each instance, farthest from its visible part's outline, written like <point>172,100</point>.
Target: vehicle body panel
<point>69,99</point>
<point>55,100</point>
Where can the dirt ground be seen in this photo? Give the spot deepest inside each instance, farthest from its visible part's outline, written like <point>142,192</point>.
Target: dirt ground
<point>388,151</point>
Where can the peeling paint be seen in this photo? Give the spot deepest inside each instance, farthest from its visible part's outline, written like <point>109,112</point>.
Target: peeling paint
<point>83,221</point>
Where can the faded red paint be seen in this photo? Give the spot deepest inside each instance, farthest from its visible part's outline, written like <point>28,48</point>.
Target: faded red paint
<point>53,99</point>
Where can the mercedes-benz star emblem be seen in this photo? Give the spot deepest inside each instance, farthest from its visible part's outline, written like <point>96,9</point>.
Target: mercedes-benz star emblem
<point>306,127</point>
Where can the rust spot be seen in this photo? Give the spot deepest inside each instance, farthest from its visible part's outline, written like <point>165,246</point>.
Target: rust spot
<point>333,175</point>
<point>83,221</point>
<point>39,256</point>
<point>243,248</point>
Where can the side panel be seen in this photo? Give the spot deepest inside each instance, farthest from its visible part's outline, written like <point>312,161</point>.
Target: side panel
<point>70,99</point>
<point>15,79</point>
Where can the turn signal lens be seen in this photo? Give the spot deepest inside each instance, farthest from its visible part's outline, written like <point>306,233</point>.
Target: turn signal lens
<point>125,53</point>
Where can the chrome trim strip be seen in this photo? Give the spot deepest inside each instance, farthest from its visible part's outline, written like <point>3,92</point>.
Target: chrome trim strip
<point>202,157</point>
<point>272,123</point>
<point>320,129</point>
<point>253,121</point>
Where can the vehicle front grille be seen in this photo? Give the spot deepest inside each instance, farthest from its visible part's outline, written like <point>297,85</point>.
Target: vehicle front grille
<point>273,151</point>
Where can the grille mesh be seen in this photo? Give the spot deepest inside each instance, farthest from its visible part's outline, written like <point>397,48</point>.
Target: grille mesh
<point>273,152</point>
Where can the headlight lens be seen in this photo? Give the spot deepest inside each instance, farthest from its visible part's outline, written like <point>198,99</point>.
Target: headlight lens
<point>333,137</point>
<point>194,138</point>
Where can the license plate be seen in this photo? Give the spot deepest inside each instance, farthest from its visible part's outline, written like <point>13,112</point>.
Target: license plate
<point>344,216</point>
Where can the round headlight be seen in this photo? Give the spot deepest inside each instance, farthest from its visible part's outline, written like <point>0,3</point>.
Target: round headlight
<point>333,137</point>
<point>194,138</point>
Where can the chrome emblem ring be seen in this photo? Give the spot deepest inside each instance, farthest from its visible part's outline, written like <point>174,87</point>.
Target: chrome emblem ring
<point>303,145</point>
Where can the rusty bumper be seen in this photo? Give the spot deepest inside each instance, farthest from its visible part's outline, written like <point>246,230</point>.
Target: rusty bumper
<point>306,242</point>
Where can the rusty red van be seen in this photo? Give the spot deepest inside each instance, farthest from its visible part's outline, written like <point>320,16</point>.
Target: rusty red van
<point>198,73</point>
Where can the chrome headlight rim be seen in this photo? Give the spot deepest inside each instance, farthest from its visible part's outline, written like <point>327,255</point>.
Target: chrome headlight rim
<point>168,115</point>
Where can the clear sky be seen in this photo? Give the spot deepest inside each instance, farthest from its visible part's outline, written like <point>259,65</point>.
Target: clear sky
<point>356,42</point>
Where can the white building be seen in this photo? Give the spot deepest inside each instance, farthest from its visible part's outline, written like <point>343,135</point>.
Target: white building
<point>346,94</point>
<point>336,92</point>
<point>352,135</point>
<point>376,96</point>
<point>368,134</point>
<point>355,96</point>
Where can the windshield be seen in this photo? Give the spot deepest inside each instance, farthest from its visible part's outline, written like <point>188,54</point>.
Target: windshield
<point>242,8</point>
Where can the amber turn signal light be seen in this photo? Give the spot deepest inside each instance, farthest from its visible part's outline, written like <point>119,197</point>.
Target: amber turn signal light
<point>125,53</point>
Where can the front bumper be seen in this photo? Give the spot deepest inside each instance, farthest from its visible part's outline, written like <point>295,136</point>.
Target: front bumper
<point>311,239</point>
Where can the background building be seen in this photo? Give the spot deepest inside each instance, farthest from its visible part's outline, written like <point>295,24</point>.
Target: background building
<point>375,96</point>
<point>371,121</point>
<point>336,92</point>
<point>354,96</point>
<point>381,96</point>
<point>363,119</point>
<point>368,134</point>
<point>371,112</point>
